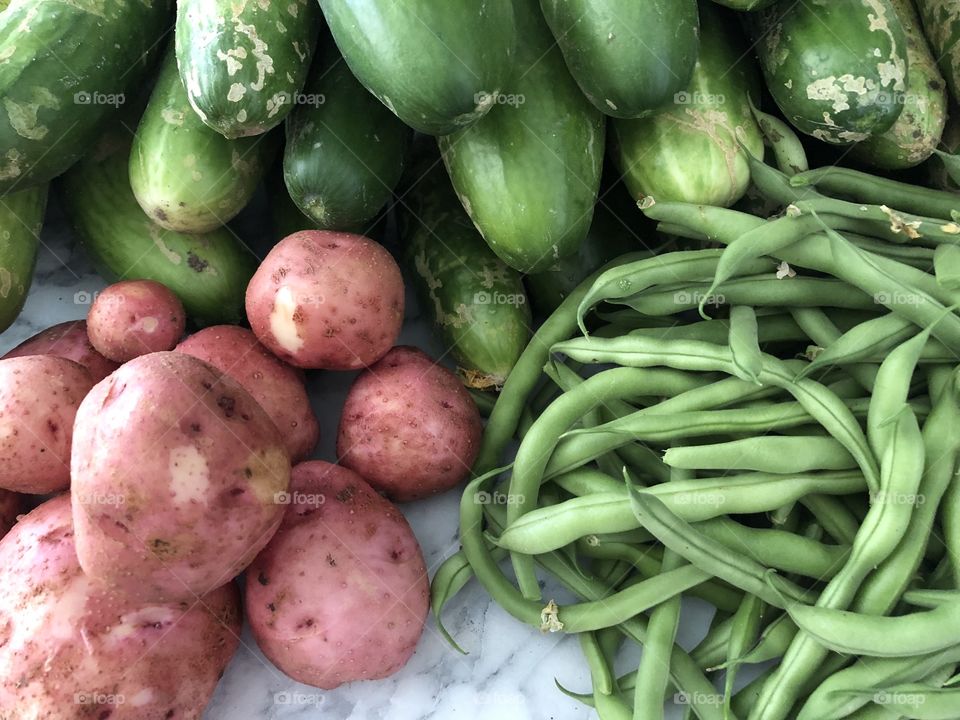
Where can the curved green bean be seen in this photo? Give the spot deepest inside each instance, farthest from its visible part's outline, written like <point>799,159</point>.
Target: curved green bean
<point>766,453</point>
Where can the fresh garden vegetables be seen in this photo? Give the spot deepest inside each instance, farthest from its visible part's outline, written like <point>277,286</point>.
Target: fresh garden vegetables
<point>21,219</point>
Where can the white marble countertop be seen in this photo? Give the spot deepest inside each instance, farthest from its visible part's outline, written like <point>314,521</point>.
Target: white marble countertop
<point>509,671</point>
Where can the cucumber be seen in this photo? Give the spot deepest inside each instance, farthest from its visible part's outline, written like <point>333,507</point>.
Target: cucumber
<point>941,24</point>
<point>344,155</point>
<point>528,172</point>
<point>628,57</point>
<point>836,68</point>
<point>439,65</point>
<point>244,62</point>
<point>285,217</point>
<point>21,218</point>
<point>208,272</point>
<point>917,132</point>
<point>65,69</point>
<point>689,152</point>
<point>745,4</point>
<point>477,303</point>
<point>187,177</point>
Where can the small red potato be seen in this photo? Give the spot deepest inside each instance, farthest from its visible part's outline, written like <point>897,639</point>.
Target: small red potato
<point>67,340</point>
<point>176,477</point>
<point>39,398</point>
<point>409,427</point>
<point>341,592</point>
<point>74,649</point>
<point>133,318</point>
<point>278,387</point>
<point>327,300</point>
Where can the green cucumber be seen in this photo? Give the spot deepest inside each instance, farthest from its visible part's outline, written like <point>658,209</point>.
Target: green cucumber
<point>628,57</point>
<point>285,216</point>
<point>345,154</point>
<point>439,65</point>
<point>689,152</point>
<point>941,24</point>
<point>528,173</point>
<point>477,303</point>
<point>187,177</point>
<point>917,132</point>
<point>745,4</point>
<point>836,68</point>
<point>21,218</point>
<point>244,62</point>
<point>65,69</point>
<point>209,272</point>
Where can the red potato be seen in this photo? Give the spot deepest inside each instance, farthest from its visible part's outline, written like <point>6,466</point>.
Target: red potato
<point>278,387</point>
<point>409,427</point>
<point>327,300</point>
<point>67,340</point>
<point>341,592</point>
<point>134,318</point>
<point>73,649</point>
<point>176,477</point>
<point>39,398</point>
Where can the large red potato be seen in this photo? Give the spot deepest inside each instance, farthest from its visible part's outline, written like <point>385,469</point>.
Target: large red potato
<point>278,387</point>
<point>74,649</point>
<point>327,300</point>
<point>176,477</point>
<point>409,427</point>
<point>134,318</point>
<point>67,340</point>
<point>39,398</point>
<point>341,592</point>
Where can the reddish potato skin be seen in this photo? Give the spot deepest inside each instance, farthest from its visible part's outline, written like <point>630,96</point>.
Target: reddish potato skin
<point>67,340</point>
<point>176,472</point>
<point>68,642</point>
<point>39,398</point>
<point>134,318</point>
<point>327,300</point>
<point>278,387</point>
<point>341,592</point>
<point>11,506</point>
<point>409,427</point>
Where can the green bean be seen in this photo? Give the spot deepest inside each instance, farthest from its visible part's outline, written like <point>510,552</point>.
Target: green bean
<point>773,642</point>
<point>761,291</point>
<point>525,375</point>
<point>833,700</point>
<point>822,331</point>
<point>771,329</point>
<point>941,446</point>
<point>747,623</point>
<point>546,529</point>
<point>832,516</point>
<point>917,701</point>
<point>918,633</point>
<point>788,151</point>
<point>920,258</point>
<point>946,264</point>
<point>631,278</point>
<point>952,164</point>
<point>451,577</point>
<point>872,338</point>
<point>653,677</point>
<point>770,453</point>
<point>686,540</point>
<point>931,598</point>
<point>875,712</point>
<point>829,410</point>
<point>600,672</point>
<point>882,530</point>
<point>712,650</point>
<point>862,187</point>
<point>777,549</point>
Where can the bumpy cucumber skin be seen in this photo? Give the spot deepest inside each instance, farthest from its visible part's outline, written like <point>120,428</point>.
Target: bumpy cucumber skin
<point>528,173</point>
<point>917,132</point>
<point>941,24</point>
<point>477,303</point>
<point>187,177</point>
<point>836,68</point>
<point>244,62</point>
<point>629,58</point>
<point>438,65</point>
<point>208,272</point>
<point>344,155</point>
<point>65,69</point>
<point>689,152</point>
<point>21,219</point>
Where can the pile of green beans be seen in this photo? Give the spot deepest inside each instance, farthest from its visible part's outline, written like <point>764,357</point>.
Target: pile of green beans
<point>767,420</point>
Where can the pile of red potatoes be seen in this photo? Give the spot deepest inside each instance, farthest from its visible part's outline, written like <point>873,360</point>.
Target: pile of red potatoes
<point>164,468</point>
